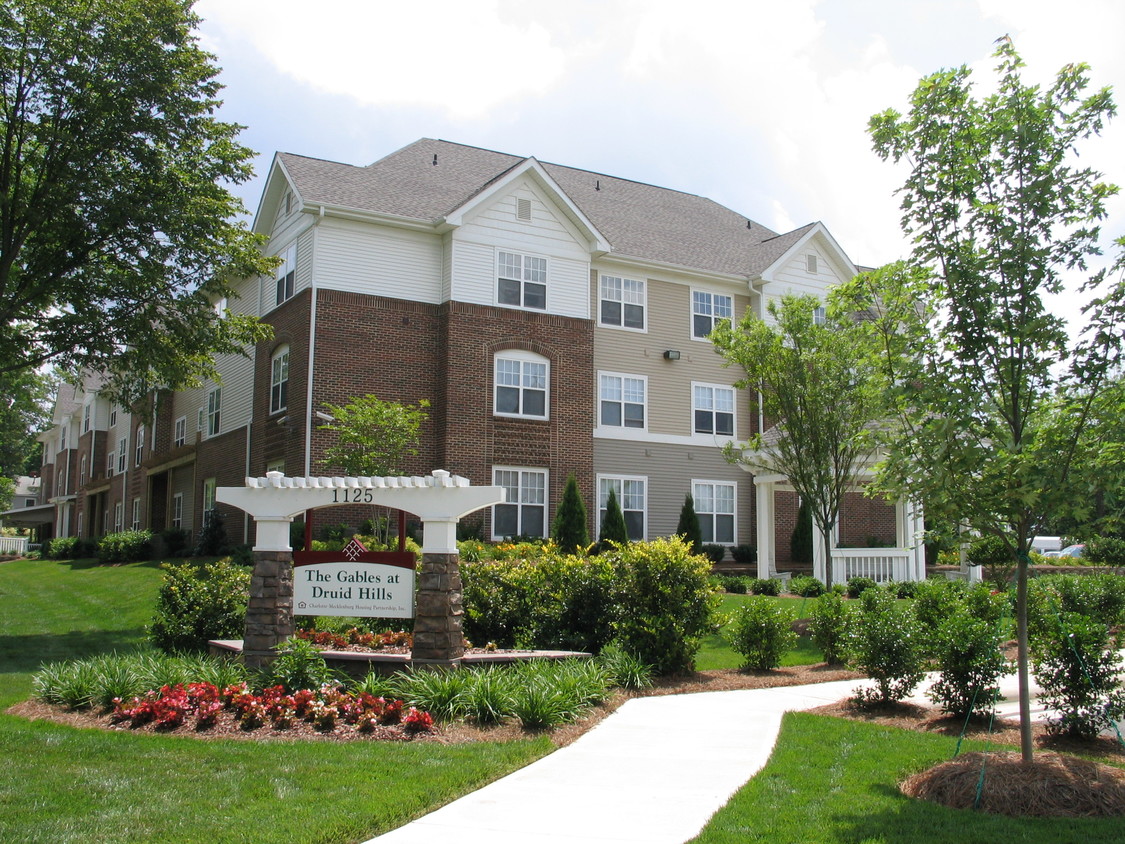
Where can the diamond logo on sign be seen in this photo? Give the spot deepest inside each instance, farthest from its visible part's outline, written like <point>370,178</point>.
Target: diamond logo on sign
<point>353,550</point>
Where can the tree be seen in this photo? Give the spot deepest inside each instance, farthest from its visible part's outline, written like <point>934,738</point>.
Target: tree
<point>375,437</point>
<point>688,526</point>
<point>117,233</point>
<point>823,397</point>
<point>613,522</point>
<point>990,403</point>
<point>569,530</point>
<point>25,410</point>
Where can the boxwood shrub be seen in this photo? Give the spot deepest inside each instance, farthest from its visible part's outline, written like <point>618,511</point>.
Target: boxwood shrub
<point>128,546</point>
<point>196,603</point>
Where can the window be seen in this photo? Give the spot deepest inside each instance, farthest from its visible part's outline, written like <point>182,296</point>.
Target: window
<point>286,274</point>
<point>630,497</point>
<point>820,315</point>
<point>714,505</point>
<point>178,510</point>
<point>221,307</point>
<point>105,521</point>
<point>275,466</point>
<point>180,437</point>
<point>82,468</point>
<point>110,464</point>
<point>706,309</point>
<point>713,410</point>
<point>136,514</point>
<point>62,438</point>
<point>118,513</point>
<point>122,452</point>
<point>208,496</point>
<point>113,416</point>
<point>810,264</point>
<point>29,502</point>
<point>522,380</point>
<point>140,446</point>
<point>199,421</point>
<point>622,401</point>
<point>522,281</point>
<point>214,402</point>
<point>525,513</point>
<point>86,419</point>
<point>622,302</point>
<point>279,380</point>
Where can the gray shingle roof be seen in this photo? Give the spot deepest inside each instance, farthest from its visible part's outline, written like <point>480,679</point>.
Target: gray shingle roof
<point>639,220</point>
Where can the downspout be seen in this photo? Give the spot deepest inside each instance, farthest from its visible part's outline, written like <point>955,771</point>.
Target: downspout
<point>245,514</point>
<point>312,352</point>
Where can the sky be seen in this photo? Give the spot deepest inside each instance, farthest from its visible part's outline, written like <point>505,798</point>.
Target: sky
<point>760,106</point>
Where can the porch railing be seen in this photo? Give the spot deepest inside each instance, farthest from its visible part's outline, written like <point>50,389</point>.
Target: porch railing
<point>880,564</point>
<point>13,545</point>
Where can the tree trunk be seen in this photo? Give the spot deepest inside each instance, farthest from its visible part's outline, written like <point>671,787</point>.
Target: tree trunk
<point>827,559</point>
<point>1026,749</point>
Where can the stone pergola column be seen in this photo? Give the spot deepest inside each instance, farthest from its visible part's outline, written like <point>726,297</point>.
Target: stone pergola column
<point>269,613</point>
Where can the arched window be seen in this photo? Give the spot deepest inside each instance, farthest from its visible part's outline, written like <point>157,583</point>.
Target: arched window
<point>279,380</point>
<point>522,384</point>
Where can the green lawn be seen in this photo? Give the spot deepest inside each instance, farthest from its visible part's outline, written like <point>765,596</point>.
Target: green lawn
<point>716,652</point>
<point>60,784</point>
<point>832,781</point>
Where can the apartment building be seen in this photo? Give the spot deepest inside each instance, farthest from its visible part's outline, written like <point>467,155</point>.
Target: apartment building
<point>555,318</point>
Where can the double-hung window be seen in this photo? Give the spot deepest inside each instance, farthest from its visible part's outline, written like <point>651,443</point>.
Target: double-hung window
<point>122,454</point>
<point>714,505</point>
<point>86,419</point>
<point>136,514</point>
<point>214,405</point>
<point>208,496</point>
<point>139,446</point>
<point>713,410</point>
<point>707,309</point>
<point>621,400</point>
<point>525,513</point>
<point>118,515</point>
<point>622,302</point>
<point>631,498</point>
<point>522,382</point>
<point>820,315</point>
<point>286,274</point>
<point>279,380</point>
<point>111,464</point>
<point>521,281</point>
<point>180,437</point>
<point>178,510</point>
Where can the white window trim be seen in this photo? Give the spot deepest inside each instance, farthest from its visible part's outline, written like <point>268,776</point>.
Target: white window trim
<point>715,437</point>
<point>691,311</point>
<point>732,485</point>
<point>609,476</point>
<point>178,440</point>
<point>111,464</point>
<point>118,516</point>
<point>139,447</point>
<point>213,424</point>
<point>282,354</point>
<point>276,466</point>
<point>622,428</point>
<point>820,315</point>
<point>209,486</point>
<point>546,283</point>
<point>122,454</point>
<point>520,504</point>
<point>87,414</point>
<point>281,278</point>
<point>178,510</point>
<point>644,304</point>
<point>522,356</point>
<point>136,514</point>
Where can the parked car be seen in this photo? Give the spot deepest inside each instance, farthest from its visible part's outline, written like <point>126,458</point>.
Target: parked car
<point>1072,551</point>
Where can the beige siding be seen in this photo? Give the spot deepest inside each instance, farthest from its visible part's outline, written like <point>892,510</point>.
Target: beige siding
<point>670,471</point>
<point>668,318</point>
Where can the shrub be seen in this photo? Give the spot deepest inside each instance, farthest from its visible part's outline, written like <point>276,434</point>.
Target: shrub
<point>668,602</point>
<point>970,664</point>
<point>858,585</point>
<point>1098,596</point>
<point>128,546</point>
<point>212,536</point>
<point>995,558</point>
<point>986,605</point>
<point>884,643</point>
<point>174,540</point>
<point>570,530</point>
<point>935,600</point>
<point>198,603</point>
<point>70,548</point>
<point>242,555</point>
<point>624,669</point>
<point>688,525</point>
<point>613,524</point>
<point>1080,673</point>
<point>298,665</point>
<point>762,631</point>
<point>806,586</point>
<point>801,540</point>
<point>733,584</point>
<point>765,586</point>
<point>715,553</point>
<point>744,555</point>
<point>829,627</point>
<point>1105,551</point>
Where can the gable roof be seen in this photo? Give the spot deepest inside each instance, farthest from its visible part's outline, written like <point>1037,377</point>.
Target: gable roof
<point>430,179</point>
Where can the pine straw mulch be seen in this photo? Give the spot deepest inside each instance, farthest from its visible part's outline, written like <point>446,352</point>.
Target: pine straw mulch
<point>1055,784</point>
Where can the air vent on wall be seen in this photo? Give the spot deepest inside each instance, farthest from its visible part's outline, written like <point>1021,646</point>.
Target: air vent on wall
<point>523,209</point>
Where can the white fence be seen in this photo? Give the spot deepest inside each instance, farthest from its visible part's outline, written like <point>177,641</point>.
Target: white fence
<point>13,545</point>
<point>880,564</point>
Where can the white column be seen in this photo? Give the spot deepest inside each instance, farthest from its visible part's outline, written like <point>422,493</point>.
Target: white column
<point>764,501</point>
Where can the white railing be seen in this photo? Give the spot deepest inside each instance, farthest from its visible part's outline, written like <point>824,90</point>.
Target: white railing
<point>13,545</point>
<point>880,564</point>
